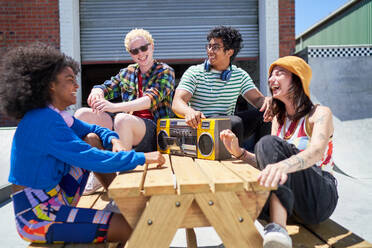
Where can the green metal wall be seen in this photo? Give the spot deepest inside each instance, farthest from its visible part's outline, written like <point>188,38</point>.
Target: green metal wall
<point>351,27</point>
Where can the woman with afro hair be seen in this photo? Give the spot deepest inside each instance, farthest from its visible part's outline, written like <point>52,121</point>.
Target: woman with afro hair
<point>52,152</point>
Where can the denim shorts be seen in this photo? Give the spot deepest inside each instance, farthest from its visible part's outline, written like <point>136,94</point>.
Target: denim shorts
<point>148,143</point>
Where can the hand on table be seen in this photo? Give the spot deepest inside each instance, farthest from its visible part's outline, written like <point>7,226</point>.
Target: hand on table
<point>154,158</point>
<point>273,175</point>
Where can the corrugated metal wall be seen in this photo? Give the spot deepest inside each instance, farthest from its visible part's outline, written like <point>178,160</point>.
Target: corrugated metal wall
<point>178,27</point>
<point>352,27</point>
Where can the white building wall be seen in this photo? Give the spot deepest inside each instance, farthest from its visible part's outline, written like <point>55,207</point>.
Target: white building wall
<point>268,22</point>
<point>70,36</point>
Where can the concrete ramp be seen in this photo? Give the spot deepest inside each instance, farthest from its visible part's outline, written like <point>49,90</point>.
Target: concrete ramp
<point>342,80</point>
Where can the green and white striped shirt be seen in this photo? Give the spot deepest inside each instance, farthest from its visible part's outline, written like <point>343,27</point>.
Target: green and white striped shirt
<point>210,94</point>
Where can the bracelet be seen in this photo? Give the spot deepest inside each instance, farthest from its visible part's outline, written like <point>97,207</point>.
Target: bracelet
<point>241,155</point>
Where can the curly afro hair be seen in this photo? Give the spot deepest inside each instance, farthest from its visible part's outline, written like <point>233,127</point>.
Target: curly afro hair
<point>25,77</point>
<point>230,37</point>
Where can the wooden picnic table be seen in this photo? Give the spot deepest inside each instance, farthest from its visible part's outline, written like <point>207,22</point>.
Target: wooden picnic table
<point>188,193</point>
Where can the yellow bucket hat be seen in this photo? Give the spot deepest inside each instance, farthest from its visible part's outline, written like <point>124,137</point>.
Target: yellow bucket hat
<point>297,66</point>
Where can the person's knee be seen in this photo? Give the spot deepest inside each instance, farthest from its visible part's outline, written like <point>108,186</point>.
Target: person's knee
<point>129,122</point>
<point>264,148</point>
<point>266,143</point>
<point>83,113</point>
<point>124,120</point>
<point>93,140</point>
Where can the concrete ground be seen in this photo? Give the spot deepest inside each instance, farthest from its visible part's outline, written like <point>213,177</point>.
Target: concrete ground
<point>351,141</point>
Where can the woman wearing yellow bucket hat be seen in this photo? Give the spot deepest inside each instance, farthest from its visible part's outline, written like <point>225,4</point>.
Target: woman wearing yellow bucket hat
<point>296,157</point>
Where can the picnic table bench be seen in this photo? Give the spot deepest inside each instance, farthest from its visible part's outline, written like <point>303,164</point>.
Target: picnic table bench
<point>189,193</point>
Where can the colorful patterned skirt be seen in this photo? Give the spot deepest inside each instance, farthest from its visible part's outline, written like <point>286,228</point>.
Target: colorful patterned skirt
<point>52,217</point>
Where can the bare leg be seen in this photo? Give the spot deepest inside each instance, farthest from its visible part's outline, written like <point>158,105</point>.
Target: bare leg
<point>278,213</point>
<point>104,178</point>
<point>100,119</point>
<point>119,229</point>
<point>130,128</point>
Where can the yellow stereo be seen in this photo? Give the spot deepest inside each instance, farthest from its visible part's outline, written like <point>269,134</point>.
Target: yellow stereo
<point>174,136</point>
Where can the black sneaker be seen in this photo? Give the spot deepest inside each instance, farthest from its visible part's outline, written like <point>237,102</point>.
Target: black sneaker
<point>276,236</point>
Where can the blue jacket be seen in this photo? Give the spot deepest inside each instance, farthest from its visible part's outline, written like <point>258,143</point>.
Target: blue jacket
<point>44,147</point>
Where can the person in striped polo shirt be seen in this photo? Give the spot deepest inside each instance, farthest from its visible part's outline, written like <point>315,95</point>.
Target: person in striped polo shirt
<point>212,88</point>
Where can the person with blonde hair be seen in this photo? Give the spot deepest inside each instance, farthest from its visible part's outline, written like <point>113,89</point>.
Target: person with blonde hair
<point>146,89</point>
<point>296,157</point>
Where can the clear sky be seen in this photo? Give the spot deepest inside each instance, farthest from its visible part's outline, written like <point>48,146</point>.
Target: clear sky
<point>309,12</point>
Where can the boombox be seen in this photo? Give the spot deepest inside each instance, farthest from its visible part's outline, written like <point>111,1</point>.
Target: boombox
<point>174,136</point>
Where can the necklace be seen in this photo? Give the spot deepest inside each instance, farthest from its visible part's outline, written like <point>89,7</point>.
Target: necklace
<point>292,127</point>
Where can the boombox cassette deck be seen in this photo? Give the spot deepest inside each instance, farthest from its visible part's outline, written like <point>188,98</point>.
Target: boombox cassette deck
<point>175,137</point>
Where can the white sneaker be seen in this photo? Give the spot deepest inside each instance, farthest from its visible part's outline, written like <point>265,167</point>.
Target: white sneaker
<point>276,236</point>
<point>93,185</point>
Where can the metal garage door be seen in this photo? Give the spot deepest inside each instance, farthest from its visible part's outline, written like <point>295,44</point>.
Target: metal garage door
<point>178,27</point>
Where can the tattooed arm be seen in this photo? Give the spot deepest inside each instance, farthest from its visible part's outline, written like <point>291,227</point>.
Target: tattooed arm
<point>322,129</point>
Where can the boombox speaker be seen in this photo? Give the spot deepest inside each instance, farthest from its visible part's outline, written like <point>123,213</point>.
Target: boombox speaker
<point>174,136</point>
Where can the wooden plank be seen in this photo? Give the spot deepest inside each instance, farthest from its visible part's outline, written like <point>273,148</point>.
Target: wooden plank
<point>37,245</point>
<point>248,173</point>
<point>160,180</point>
<point>194,217</point>
<point>102,202</point>
<point>144,173</point>
<point>230,220</point>
<point>102,245</point>
<point>131,208</point>
<point>160,221</point>
<point>252,202</point>
<point>336,235</point>
<point>190,178</point>
<point>301,237</point>
<point>191,238</point>
<point>87,201</point>
<point>221,178</point>
<point>127,184</point>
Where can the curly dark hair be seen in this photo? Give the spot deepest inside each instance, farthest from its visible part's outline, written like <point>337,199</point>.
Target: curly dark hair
<point>230,37</point>
<point>25,77</point>
<point>301,101</point>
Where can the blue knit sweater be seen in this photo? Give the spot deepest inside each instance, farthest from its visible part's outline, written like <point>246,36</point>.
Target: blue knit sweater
<point>44,147</point>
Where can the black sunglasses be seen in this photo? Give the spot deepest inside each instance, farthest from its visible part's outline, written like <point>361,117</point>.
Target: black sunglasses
<point>143,48</point>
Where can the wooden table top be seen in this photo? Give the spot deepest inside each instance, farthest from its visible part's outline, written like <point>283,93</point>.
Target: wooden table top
<point>182,175</point>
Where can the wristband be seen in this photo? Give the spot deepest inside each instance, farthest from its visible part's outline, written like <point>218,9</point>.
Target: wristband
<point>241,155</point>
